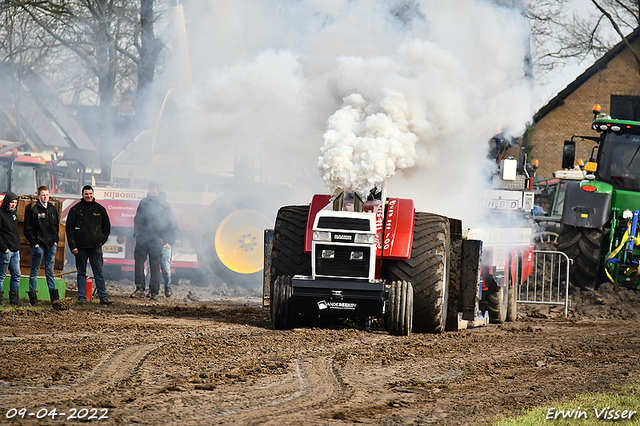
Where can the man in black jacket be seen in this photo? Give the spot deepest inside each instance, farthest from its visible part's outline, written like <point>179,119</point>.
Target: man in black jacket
<point>88,227</point>
<point>41,228</point>
<point>154,229</point>
<point>10,246</point>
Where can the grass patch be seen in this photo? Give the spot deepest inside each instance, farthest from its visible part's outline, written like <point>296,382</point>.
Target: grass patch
<point>584,410</point>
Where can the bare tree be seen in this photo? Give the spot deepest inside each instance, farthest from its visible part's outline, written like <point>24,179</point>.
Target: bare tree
<point>622,15</point>
<point>559,36</point>
<point>116,40</point>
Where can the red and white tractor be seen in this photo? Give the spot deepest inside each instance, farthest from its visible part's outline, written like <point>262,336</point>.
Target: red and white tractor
<point>370,258</point>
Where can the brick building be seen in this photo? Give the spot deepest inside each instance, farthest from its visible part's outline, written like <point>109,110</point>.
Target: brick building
<point>613,82</point>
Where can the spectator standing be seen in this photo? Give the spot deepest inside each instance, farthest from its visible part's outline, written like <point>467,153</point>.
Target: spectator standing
<point>41,228</point>
<point>10,247</point>
<point>153,229</point>
<point>88,228</point>
<point>168,239</point>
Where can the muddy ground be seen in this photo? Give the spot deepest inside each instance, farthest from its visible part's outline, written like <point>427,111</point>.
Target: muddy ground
<point>211,357</point>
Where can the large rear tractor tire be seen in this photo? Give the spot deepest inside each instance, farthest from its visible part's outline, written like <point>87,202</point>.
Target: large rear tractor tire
<point>281,316</point>
<point>427,270</point>
<point>584,246</point>
<point>287,253</point>
<point>287,250</point>
<point>400,314</point>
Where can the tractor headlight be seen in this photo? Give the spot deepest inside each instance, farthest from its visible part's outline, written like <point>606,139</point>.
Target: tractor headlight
<point>365,238</point>
<point>627,214</point>
<point>356,255</point>
<point>328,254</point>
<point>321,236</point>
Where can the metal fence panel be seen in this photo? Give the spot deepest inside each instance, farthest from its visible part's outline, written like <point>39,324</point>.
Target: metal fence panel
<point>548,284</point>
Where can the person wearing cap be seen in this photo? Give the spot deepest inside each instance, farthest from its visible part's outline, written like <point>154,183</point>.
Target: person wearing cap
<point>88,228</point>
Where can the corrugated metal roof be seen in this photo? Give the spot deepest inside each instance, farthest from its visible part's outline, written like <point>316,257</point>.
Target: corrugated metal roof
<point>44,120</point>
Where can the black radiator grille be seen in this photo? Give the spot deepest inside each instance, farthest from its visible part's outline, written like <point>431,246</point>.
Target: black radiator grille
<point>341,265</point>
<point>344,223</point>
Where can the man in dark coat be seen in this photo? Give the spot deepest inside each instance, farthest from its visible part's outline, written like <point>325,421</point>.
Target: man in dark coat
<point>88,227</point>
<point>150,228</point>
<point>41,228</point>
<point>10,246</point>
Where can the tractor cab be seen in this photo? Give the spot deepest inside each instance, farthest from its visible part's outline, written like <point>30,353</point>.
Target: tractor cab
<point>618,161</point>
<point>23,174</point>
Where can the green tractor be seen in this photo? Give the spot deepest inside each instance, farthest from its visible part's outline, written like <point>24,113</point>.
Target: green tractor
<point>600,216</point>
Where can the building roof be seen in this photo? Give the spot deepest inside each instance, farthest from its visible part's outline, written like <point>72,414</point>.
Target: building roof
<point>600,64</point>
<point>41,117</point>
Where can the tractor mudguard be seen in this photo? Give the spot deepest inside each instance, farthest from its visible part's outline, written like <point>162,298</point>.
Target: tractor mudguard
<point>398,229</point>
<point>397,236</point>
<point>318,202</point>
<point>585,209</point>
<point>527,264</point>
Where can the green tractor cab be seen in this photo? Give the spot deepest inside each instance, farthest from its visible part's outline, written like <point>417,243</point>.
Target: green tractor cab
<point>600,216</point>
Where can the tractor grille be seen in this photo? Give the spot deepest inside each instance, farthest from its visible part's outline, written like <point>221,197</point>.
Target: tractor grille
<point>341,265</point>
<point>343,223</point>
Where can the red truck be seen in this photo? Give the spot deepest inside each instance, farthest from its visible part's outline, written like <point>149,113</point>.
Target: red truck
<point>121,204</point>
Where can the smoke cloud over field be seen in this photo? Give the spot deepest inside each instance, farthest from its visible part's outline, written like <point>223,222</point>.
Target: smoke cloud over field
<point>346,93</point>
<point>366,143</point>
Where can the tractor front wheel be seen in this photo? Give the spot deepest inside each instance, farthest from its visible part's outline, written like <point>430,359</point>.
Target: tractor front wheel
<point>512,309</point>
<point>400,314</point>
<point>281,317</point>
<point>496,301</point>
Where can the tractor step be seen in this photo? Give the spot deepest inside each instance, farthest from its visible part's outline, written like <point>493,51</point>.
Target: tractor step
<point>479,321</point>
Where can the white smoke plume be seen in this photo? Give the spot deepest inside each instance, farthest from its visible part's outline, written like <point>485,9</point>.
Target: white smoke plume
<point>410,90</point>
<point>429,107</point>
<point>366,143</point>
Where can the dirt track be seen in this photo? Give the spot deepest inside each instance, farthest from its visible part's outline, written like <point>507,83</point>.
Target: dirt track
<point>219,362</point>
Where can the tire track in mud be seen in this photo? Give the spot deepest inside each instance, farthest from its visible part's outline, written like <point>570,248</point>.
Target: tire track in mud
<point>118,365</point>
<point>313,384</point>
<point>314,388</point>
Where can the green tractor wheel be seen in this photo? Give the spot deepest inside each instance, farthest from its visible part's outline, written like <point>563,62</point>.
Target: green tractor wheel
<point>583,245</point>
